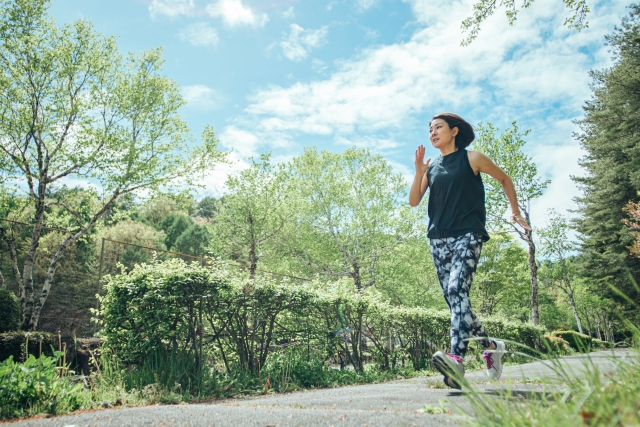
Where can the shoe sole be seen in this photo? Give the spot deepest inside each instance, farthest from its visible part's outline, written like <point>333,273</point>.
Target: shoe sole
<point>443,368</point>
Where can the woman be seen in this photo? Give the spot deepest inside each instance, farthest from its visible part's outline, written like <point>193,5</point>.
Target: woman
<point>457,219</point>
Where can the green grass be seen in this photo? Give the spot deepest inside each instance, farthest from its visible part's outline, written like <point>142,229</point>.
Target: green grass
<point>589,398</point>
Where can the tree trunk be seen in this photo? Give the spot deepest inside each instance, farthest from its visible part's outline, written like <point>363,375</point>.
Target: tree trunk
<point>533,268</point>
<point>575,309</point>
<point>586,317</point>
<point>613,337</point>
<point>357,280</point>
<point>598,328</point>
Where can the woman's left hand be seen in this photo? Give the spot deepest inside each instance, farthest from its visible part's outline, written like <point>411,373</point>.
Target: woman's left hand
<point>521,221</point>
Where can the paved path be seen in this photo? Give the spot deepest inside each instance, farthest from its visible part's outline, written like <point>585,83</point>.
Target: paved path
<point>395,403</point>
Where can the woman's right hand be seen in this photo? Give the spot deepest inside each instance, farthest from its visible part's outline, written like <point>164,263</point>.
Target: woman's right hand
<point>421,165</point>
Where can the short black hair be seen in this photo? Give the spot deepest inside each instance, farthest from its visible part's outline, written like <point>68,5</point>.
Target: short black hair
<point>465,135</point>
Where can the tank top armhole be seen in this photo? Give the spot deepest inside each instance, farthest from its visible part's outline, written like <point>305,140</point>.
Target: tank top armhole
<point>468,163</point>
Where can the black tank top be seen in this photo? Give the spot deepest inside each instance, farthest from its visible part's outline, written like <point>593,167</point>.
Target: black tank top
<point>456,198</point>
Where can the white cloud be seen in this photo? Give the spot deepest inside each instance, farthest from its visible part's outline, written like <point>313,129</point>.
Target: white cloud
<point>234,13</point>
<point>366,4</point>
<point>244,143</point>
<point>373,143</point>
<point>300,41</point>
<point>200,96</point>
<point>199,34</point>
<point>289,13</point>
<point>172,8</point>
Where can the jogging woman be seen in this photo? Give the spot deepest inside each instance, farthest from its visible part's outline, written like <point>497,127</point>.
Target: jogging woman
<point>457,231</point>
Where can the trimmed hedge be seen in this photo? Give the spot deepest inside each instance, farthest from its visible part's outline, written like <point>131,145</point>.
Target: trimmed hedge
<point>577,341</point>
<point>156,309</point>
<point>10,309</point>
<point>15,344</point>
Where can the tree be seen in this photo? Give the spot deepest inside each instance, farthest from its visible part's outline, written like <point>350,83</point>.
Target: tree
<point>577,19</point>
<point>253,212</point>
<point>501,278</point>
<point>193,241</point>
<point>609,136</point>
<point>506,151</point>
<point>557,247</point>
<point>72,108</point>
<point>350,212</point>
<point>127,231</point>
<point>207,207</point>
<point>174,225</point>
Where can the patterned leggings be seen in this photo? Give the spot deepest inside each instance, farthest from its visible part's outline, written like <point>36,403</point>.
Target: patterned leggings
<point>456,259</point>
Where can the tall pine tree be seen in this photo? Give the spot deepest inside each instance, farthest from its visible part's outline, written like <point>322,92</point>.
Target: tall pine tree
<point>611,136</point>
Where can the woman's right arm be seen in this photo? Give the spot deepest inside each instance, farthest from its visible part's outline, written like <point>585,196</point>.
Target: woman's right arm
<point>420,180</point>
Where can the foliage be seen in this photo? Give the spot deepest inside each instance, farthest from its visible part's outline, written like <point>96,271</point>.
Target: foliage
<point>21,344</point>
<point>506,151</point>
<point>154,311</point>
<point>10,309</point>
<point>174,225</point>
<point>557,247</point>
<point>72,107</point>
<point>501,285</point>
<point>127,231</point>
<point>253,213</point>
<point>34,386</point>
<point>612,164</point>
<point>577,341</point>
<point>577,19</point>
<point>633,210</point>
<point>350,212</point>
<point>193,241</point>
<point>589,396</point>
<point>156,308</point>
<point>555,344</point>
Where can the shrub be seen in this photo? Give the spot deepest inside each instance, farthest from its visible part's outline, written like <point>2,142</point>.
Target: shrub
<point>555,345</point>
<point>21,344</point>
<point>577,341</point>
<point>600,344</point>
<point>33,387</point>
<point>10,309</point>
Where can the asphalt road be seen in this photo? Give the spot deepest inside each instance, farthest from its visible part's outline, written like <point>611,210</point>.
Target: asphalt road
<point>395,403</point>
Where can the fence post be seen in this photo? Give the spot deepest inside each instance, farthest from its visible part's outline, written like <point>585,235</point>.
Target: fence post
<point>95,329</point>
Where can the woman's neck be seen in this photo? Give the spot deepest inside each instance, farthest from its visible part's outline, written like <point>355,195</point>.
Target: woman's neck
<point>450,148</point>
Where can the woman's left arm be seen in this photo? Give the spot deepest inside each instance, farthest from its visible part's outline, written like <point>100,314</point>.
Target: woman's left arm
<point>481,163</point>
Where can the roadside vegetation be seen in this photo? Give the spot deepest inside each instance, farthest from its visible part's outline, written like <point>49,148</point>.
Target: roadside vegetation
<point>308,273</point>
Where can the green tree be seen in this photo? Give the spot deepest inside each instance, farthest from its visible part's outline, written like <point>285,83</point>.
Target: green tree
<point>609,136</point>
<point>557,247</point>
<point>127,231</point>
<point>71,107</point>
<point>207,207</point>
<point>193,241</point>
<point>174,225</point>
<point>253,212</point>
<point>501,280</point>
<point>483,9</point>
<point>350,212</point>
<point>506,151</point>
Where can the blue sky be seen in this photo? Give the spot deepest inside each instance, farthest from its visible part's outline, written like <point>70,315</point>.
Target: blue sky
<point>276,76</point>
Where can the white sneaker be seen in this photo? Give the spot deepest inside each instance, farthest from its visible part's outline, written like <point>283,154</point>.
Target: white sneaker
<point>494,360</point>
<point>451,367</point>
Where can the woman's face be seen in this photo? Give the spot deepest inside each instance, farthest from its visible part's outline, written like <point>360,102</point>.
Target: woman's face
<point>441,135</point>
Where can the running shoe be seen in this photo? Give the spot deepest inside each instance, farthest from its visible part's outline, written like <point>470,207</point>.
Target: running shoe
<point>451,367</point>
<point>494,360</point>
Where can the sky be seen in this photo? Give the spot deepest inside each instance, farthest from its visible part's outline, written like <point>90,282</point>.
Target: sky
<point>280,75</point>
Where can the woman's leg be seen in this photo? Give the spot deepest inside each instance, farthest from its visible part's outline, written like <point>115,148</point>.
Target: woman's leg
<point>442,254</point>
<point>464,324</point>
